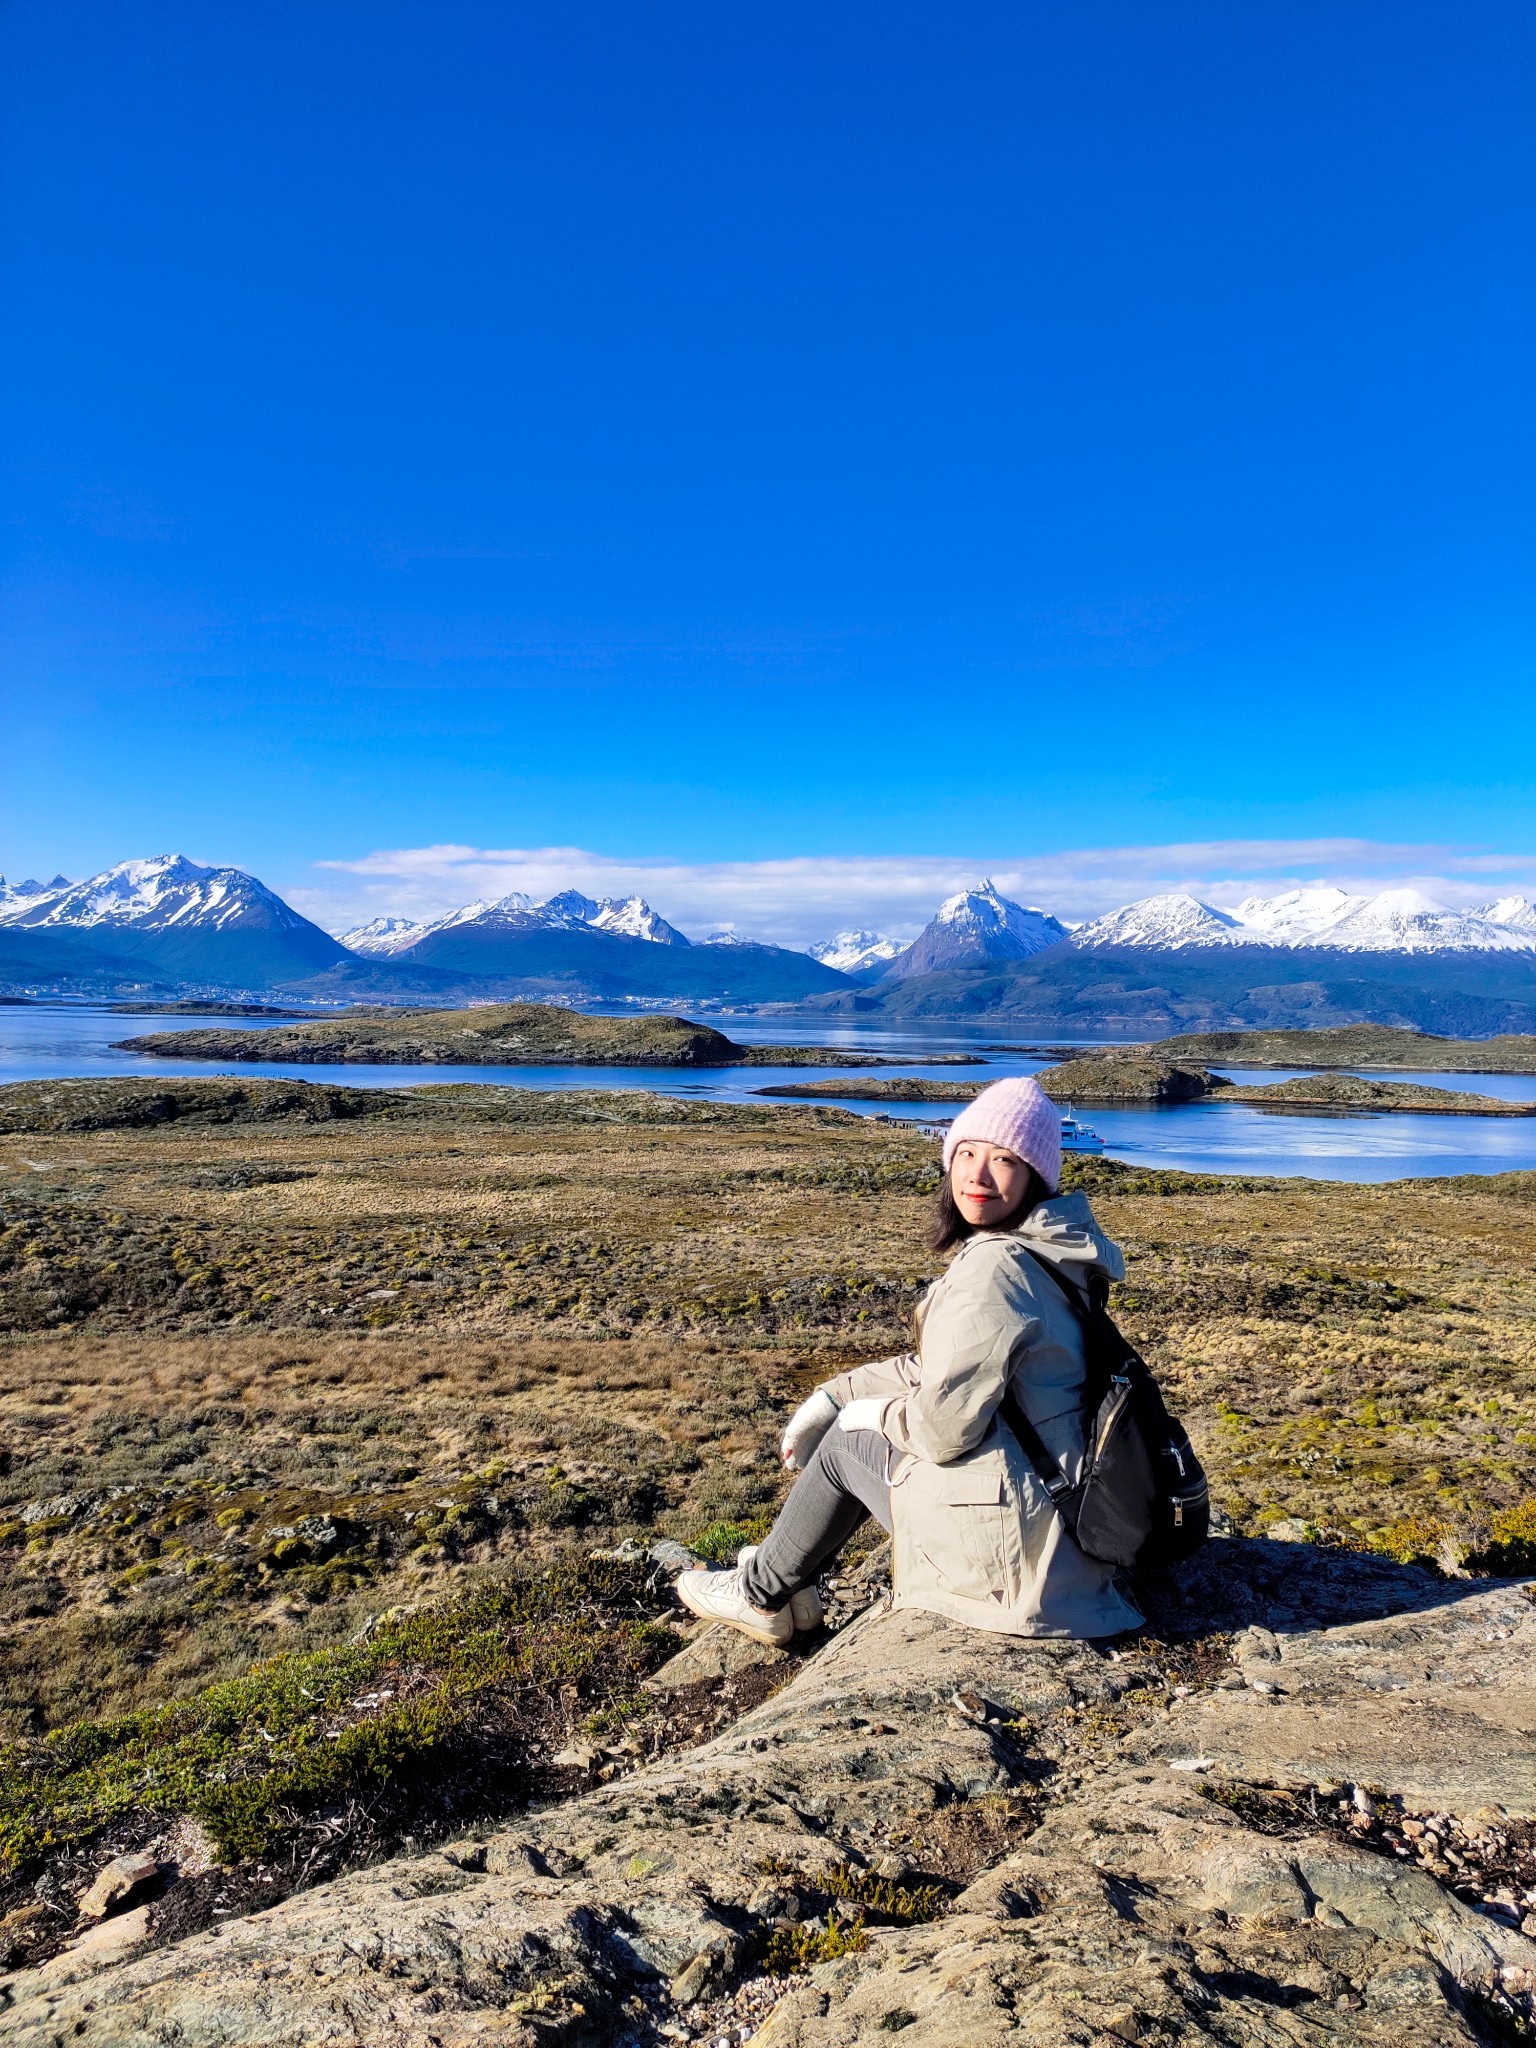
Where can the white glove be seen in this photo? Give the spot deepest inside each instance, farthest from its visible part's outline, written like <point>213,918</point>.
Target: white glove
<point>865,1414</point>
<point>807,1426</point>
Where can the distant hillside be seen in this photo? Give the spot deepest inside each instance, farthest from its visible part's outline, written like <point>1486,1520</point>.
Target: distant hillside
<point>604,966</point>
<point>1133,993</point>
<point>83,963</point>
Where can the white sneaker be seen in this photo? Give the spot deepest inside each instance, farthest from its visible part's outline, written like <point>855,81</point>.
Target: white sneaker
<point>805,1607</point>
<point>717,1596</point>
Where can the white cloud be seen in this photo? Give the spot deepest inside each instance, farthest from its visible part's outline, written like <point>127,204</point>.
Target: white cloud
<point>795,902</point>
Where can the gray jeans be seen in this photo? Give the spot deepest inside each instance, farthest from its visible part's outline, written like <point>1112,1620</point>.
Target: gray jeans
<point>847,1479</point>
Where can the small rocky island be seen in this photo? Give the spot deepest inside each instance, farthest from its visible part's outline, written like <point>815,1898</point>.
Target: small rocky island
<point>1355,1045</point>
<point>1353,1092</point>
<point>494,1035</point>
<point>1131,1075</point>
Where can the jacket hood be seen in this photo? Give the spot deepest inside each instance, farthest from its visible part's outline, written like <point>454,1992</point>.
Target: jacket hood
<point>1063,1230</point>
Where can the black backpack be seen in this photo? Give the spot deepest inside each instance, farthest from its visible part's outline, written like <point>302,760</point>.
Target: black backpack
<point>1142,1499</point>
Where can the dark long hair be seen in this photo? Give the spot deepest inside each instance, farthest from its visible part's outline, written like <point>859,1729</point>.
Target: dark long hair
<point>949,1227</point>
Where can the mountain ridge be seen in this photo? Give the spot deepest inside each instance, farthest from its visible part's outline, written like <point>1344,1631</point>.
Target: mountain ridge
<point>167,926</point>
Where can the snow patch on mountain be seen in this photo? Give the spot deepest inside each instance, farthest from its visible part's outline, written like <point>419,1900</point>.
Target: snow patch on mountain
<point>852,951</point>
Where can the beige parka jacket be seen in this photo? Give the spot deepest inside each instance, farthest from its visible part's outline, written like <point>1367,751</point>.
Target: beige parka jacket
<point>975,1534</point>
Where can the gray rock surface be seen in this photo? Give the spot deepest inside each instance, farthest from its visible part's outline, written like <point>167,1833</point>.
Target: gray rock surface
<point>1109,1898</point>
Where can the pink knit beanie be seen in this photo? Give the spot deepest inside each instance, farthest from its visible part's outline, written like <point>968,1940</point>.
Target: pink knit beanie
<point>1016,1113</point>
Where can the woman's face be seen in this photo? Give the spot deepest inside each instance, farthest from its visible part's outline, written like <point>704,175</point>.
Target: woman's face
<point>988,1182</point>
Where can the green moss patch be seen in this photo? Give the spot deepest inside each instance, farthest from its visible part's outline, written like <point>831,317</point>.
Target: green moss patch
<point>459,1694</point>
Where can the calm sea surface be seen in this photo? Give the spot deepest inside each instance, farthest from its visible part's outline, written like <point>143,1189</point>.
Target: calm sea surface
<point>49,1041</point>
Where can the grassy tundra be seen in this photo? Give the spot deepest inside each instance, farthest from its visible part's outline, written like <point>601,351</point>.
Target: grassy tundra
<point>317,1404</point>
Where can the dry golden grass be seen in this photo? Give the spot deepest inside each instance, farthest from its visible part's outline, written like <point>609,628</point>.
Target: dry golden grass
<point>470,1325</point>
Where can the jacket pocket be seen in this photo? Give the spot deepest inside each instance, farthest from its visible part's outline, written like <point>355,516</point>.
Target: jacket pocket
<point>966,1485</point>
<point>960,1519</point>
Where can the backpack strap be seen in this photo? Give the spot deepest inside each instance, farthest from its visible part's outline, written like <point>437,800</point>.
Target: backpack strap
<point>1030,1442</point>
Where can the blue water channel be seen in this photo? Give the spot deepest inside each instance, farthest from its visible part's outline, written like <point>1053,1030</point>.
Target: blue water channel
<point>56,1041</point>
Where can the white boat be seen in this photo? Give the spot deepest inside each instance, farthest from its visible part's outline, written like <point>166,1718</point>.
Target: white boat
<point>1079,1137</point>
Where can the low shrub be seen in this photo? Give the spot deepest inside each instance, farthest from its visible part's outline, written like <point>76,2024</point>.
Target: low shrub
<point>720,1541</point>
<point>427,1694</point>
<point>1510,1549</point>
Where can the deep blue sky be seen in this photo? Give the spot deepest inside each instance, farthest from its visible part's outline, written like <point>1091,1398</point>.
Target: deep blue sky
<point>724,432</point>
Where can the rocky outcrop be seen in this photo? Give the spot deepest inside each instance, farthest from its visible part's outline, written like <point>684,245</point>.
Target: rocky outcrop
<point>1130,1076</point>
<point>1078,1821</point>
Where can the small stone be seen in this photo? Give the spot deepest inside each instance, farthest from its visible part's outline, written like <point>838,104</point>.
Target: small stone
<point>122,1876</point>
<point>1232,1681</point>
<point>580,1756</point>
<point>894,1869</point>
<point>110,1937</point>
<point>972,1707</point>
<point>690,1981</point>
<point>674,1557</point>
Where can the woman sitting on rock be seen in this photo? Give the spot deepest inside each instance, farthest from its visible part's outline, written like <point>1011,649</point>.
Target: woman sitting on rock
<point>918,1441</point>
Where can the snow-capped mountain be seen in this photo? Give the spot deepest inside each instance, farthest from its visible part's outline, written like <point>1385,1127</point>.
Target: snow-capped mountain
<point>974,926</point>
<point>633,918</point>
<point>1514,913</point>
<point>726,935</point>
<point>1164,924</point>
<point>16,897</point>
<point>156,895</point>
<point>852,951</point>
<point>216,925</point>
<point>1395,921</point>
<point>381,935</point>
<point>1296,914</point>
<point>629,917</point>
<point>1407,921</point>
